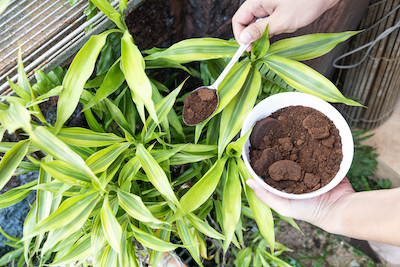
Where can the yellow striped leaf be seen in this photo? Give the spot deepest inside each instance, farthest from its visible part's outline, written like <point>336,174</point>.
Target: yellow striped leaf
<point>87,138</point>
<point>261,46</point>
<point>188,240</point>
<point>204,227</point>
<point>66,173</point>
<point>15,195</point>
<point>156,174</point>
<point>133,67</point>
<point>50,144</point>
<point>112,81</point>
<point>203,189</point>
<point>16,117</point>
<point>66,213</point>
<point>162,108</point>
<point>262,213</point>
<point>80,250</point>
<point>236,112</point>
<point>305,79</point>
<point>78,73</point>
<point>196,49</point>
<point>111,228</point>
<point>231,202</point>
<point>110,12</point>
<point>135,207</point>
<point>100,160</point>
<point>97,241</point>
<point>109,257</point>
<point>308,46</point>
<point>11,160</point>
<point>152,241</point>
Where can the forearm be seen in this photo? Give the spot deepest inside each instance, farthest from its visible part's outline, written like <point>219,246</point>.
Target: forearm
<point>372,215</point>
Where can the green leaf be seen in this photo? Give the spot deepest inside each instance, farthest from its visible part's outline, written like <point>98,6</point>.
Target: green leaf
<point>135,207</point>
<point>50,144</point>
<point>66,173</point>
<point>262,213</point>
<point>11,160</point>
<point>24,95</point>
<point>133,67</point>
<point>236,112</point>
<point>118,117</point>
<point>162,108</point>
<point>156,174</point>
<point>188,239</point>
<point>66,213</point>
<point>308,46</point>
<point>244,257</point>
<point>164,63</point>
<point>203,189</point>
<point>196,49</point>
<point>110,12</point>
<point>113,80</point>
<point>231,202</point>
<point>204,227</point>
<point>261,46</point>
<point>234,149</point>
<point>305,79</point>
<point>78,73</point>
<point>152,241</point>
<point>29,224</point>
<point>16,117</point>
<point>183,158</point>
<point>111,228</point>
<point>86,138</point>
<point>100,160</point>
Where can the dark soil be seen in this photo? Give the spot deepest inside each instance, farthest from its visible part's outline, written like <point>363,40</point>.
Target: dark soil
<point>296,149</point>
<point>199,105</point>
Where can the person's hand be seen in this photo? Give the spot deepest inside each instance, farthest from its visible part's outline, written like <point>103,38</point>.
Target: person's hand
<point>284,16</point>
<point>313,210</point>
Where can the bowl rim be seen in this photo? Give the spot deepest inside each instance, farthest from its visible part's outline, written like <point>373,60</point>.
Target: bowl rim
<point>278,101</point>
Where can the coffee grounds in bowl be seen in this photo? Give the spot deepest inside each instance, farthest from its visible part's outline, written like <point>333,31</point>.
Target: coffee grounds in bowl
<point>296,149</point>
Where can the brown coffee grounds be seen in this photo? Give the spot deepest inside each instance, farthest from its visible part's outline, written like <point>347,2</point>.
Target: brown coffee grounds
<point>296,149</point>
<point>199,105</point>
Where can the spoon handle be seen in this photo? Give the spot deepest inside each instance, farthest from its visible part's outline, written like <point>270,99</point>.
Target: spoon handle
<point>228,67</point>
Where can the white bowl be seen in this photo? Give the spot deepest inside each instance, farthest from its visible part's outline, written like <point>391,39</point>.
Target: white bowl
<point>281,100</point>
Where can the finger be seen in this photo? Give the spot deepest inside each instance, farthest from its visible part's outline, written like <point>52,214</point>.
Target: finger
<point>245,15</point>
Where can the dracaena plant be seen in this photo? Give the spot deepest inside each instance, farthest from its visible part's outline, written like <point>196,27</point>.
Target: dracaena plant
<point>140,182</point>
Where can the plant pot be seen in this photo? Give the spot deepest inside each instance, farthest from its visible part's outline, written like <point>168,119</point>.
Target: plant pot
<point>279,101</point>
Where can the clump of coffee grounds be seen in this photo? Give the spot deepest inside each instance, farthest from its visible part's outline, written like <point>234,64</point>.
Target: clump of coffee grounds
<point>199,105</point>
<point>296,149</point>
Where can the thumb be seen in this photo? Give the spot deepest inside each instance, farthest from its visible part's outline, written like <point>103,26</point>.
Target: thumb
<point>254,31</point>
<point>275,202</point>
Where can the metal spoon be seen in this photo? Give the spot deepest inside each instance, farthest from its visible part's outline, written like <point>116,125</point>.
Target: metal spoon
<point>187,113</point>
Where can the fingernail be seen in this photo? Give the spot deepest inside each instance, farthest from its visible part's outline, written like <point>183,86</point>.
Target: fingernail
<point>250,184</point>
<point>245,37</point>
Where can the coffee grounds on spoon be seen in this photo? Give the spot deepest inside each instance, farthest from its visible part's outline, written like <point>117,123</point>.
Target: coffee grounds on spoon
<point>199,105</point>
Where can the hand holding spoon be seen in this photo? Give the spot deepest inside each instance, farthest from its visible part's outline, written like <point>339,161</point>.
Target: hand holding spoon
<point>203,101</point>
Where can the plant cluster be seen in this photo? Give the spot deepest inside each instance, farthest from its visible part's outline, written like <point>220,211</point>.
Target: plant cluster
<point>361,173</point>
<point>138,181</point>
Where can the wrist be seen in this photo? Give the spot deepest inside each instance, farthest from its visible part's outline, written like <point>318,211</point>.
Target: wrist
<point>331,217</point>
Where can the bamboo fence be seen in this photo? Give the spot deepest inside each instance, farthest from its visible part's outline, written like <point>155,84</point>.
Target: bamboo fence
<point>375,81</point>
